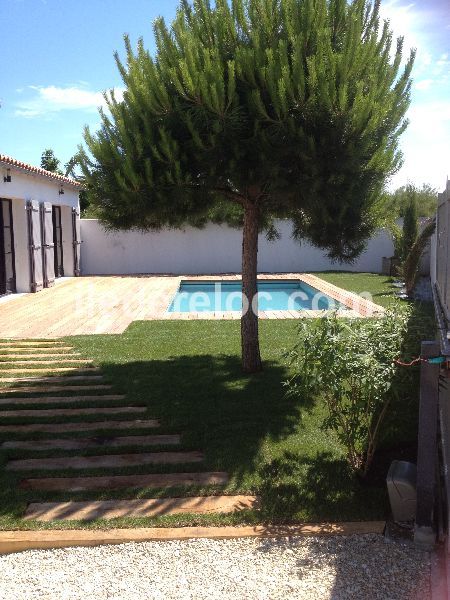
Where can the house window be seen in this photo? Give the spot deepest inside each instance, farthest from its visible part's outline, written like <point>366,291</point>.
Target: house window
<point>7,263</point>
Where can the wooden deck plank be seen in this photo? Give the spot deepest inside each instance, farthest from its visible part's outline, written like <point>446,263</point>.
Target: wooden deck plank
<point>17,541</point>
<point>116,482</point>
<point>36,349</point>
<point>93,443</point>
<point>33,361</point>
<point>70,412</point>
<point>38,355</point>
<point>69,427</point>
<point>58,399</point>
<point>28,343</point>
<point>49,370</point>
<point>44,389</point>
<point>151,507</point>
<point>105,461</point>
<point>50,379</point>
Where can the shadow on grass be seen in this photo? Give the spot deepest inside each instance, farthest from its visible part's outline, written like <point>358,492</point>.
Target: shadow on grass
<point>402,418</point>
<point>217,408</point>
<point>320,487</point>
<point>240,423</point>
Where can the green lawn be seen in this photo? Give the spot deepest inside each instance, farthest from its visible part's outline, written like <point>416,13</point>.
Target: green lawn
<point>188,374</point>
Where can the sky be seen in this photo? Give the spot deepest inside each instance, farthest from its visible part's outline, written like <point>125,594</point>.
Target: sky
<point>57,59</point>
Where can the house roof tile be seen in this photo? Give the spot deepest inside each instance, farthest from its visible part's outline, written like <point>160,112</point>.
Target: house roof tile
<point>13,162</point>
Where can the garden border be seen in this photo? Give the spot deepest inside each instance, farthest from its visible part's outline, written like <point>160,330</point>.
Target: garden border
<point>17,541</point>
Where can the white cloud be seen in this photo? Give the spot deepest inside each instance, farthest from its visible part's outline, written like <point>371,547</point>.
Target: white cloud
<point>425,142</point>
<point>425,145</point>
<point>424,84</point>
<point>47,100</point>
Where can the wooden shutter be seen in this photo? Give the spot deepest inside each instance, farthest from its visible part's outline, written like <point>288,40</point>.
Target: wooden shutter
<point>76,233</point>
<point>48,246</point>
<point>34,245</point>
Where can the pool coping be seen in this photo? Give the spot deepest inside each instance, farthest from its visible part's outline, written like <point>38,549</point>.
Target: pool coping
<point>356,306</point>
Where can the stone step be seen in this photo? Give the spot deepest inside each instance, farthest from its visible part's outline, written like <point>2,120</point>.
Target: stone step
<point>54,388</point>
<point>62,357</point>
<point>93,443</point>
<point>49,371</point>
<point>71,412</point>
<point>106,461</point>
<point>59,399</point>
<point>116,482</point>
<point>33,349</point>
<point>68,427</point>
<point>56,379</point>
<point>70,361</point>
<point>151,507</point>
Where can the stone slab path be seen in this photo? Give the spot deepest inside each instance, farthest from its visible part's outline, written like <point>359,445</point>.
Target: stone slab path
<point>37,397</point>
<point>154,507</point>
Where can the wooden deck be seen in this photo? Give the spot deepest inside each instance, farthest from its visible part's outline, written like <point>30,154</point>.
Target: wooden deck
<point>99,305</point>
<point>86,305</point>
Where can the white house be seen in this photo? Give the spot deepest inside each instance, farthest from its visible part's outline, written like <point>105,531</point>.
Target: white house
<point>39,227</point>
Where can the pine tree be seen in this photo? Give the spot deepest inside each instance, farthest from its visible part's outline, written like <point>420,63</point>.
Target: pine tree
<point>253,110</point>
<point>49,162</point>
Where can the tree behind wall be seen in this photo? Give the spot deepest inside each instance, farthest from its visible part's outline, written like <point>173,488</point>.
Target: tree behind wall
<point>49,162</point>
<point>276,108</point>
<point>426,199</point>
<point>410,225</point>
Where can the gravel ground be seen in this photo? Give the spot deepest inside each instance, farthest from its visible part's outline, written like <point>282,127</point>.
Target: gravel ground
<point>359,567</point>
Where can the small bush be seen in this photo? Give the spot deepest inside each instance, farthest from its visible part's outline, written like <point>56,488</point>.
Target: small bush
<point>350,365</point>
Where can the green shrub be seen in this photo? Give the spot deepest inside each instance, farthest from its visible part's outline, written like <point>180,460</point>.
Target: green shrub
<point>350,366</point>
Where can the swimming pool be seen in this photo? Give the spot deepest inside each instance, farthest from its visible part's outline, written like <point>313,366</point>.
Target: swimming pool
<point>224,296</point>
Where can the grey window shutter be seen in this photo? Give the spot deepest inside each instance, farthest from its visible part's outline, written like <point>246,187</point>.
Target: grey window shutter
<point>76,232</point>
<point>34,244</point>
<point>48,247</point>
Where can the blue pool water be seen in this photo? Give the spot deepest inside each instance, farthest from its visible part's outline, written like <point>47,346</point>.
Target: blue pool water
<point>201,296</point>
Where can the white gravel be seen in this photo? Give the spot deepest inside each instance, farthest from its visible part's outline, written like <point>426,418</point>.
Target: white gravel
<point>359,567</point>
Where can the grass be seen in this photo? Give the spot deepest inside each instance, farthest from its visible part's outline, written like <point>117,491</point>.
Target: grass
<point>189,376</point>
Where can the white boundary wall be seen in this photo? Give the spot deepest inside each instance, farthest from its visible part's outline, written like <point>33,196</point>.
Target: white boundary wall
<point>214,249</point>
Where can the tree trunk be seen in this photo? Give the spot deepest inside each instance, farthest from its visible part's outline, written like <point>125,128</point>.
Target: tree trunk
<point>251,358</point>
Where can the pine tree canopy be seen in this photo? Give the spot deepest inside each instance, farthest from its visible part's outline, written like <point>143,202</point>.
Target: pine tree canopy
<point>294,106</point>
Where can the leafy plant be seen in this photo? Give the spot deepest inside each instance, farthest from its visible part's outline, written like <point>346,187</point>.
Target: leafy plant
<point>350,366</point>
<point>394,204</point>
<point>410,240</point>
